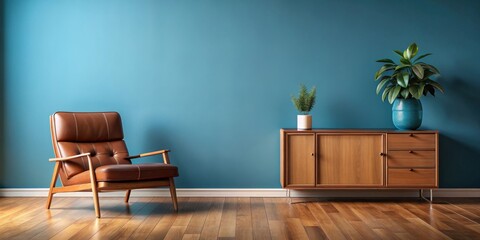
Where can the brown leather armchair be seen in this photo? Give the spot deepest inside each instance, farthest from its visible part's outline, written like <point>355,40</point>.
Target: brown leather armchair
<point>91,155</point>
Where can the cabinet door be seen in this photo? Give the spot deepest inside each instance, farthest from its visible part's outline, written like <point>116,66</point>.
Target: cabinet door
<point>300,160</point>
<point>350,160</point>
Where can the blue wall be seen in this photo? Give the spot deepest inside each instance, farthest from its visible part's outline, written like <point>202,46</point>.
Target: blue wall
<point>212,80</point>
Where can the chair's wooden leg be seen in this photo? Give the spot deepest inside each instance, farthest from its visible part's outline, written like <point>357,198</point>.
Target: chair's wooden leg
<point>96,202</point>
<point>52,184</point>
<point>173,193</point>
<point>93,180</point>
<point>127,195</point>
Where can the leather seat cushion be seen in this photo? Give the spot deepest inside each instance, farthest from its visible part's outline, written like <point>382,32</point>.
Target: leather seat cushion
<point>127,172</point>
<point>135,172</point>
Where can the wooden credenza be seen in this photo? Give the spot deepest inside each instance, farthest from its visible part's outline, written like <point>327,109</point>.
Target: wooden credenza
<point>327,158</point>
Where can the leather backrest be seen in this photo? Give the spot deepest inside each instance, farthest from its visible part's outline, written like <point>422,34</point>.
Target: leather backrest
<point>97,133</point>
<point>88,127</point>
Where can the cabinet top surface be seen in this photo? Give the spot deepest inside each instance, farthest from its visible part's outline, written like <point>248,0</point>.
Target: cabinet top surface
<point>355,130</point>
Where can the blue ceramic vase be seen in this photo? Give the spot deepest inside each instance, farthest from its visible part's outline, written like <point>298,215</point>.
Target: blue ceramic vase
<point>407,113</point>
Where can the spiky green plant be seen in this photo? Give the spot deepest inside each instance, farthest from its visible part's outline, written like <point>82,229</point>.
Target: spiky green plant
<point>305,100</point>
<point>409,79</point>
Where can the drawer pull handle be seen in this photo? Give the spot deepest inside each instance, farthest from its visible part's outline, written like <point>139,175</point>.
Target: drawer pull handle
<point>411,135</point>
<point>411,170</point>
<point>313,154</point>
<point>410,151</point>
<point>382,154</point>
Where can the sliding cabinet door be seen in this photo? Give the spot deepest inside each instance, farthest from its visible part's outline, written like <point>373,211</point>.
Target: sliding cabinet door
<point>350,160</point>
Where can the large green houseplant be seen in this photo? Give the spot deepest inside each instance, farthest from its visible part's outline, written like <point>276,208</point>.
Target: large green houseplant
<point>304,104</point>
<point>409,79</point>
<point>404,83</point>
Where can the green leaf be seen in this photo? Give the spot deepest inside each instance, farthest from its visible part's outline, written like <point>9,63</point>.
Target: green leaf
<point>393,94</point>
<point>405,93</point>
<point>406,54</point>
<point>385,93</point>
<point>405,61</point>
<point>431,68</point>
<point>435,70</point>
<point>390,94</point>
<point>420,91</point>
<point>406,77</point>
<point>418,70</point>
<point>413,90</point>
<point>401,81</point>
<point>412,50</point>
<point>424,55</point>
<point>311,98</point>
<point>382,83</point>
<point>381,71</point>
<point>401,67</point>
<point>386,60</point>
<point>436,85</point>
<point>427,73</point>
<point>400,53</point>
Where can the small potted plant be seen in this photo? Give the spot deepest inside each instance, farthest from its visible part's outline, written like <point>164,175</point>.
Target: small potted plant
<point>304,104</point>
<point>404,84</point>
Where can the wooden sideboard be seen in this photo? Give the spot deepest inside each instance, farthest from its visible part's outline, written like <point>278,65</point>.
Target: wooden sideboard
<point>342,158</point>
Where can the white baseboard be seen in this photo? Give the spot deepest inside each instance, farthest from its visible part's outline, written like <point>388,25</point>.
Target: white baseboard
<point>248,192</point>
<point>153,192</point>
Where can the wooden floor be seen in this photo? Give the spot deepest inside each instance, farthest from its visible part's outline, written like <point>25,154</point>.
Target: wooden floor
<point>239,218</point>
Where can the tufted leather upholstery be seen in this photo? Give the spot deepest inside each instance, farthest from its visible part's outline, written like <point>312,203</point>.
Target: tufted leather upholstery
<point>101,135</point>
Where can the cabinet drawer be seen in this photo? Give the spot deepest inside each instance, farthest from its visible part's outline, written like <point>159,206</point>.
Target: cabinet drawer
<point>411,177</point>
<point>411,141</point>
<point>411,158</point>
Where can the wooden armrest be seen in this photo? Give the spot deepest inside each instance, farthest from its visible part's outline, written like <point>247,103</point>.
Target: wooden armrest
<point>68,158</point>
<point>148,154</point>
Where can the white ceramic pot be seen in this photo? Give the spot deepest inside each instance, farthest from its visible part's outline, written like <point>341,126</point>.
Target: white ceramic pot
<point>304,122</point>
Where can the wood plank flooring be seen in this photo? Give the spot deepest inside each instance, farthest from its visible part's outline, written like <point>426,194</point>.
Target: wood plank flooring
<point>240,218</point>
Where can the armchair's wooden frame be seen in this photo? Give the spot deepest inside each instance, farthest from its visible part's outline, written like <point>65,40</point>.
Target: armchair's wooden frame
<point>96,187</point>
